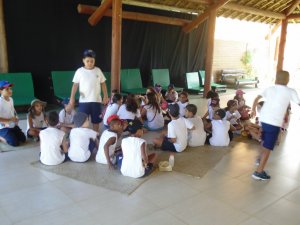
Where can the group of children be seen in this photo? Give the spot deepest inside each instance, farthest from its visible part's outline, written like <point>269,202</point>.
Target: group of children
<point>67,135</point>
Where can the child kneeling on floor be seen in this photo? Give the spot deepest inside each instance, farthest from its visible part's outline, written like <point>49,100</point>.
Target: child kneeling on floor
<point>54,146</point>
<point>83,140</point>
<point>108,141</point>
<point>135,162</point>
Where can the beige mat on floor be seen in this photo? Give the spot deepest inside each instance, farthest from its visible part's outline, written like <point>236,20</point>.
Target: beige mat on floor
<point>94,173</point>
<point>195,161</point>
<point>23,146</point>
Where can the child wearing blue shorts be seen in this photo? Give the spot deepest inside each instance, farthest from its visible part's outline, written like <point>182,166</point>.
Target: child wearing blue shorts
<point>276,101</point>
<point>90,81</point>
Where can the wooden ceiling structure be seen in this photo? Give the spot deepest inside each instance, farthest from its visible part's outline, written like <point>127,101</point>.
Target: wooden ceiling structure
<point>275,12</point>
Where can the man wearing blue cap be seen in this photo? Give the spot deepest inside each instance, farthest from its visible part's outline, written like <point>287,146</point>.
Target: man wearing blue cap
<point>10,132</point>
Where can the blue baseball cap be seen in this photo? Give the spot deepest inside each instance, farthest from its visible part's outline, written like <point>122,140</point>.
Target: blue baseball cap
<point>5,84</point>
<point>89,53</point>
<point>65,101</point>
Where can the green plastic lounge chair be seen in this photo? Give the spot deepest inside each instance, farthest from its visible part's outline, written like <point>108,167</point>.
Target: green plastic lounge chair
<point>131,81</point>
<point>162,77</point>
<point>219,87</point>
<point>23,92</point>
<point>62,84</point>
<point>193,83</point>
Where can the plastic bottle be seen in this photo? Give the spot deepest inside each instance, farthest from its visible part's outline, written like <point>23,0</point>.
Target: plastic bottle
<point>171,160</point>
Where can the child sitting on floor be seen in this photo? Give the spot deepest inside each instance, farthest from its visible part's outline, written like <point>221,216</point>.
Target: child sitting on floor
<point>112,108</point>
<point>183,102</point>
<point>83,140</point>
<point>177,138</point>
<point>66,116</point>
<point>243,109</point>
<point>130,110</point>
<point>54,146</point>
<point>135,162</point>
<point>36,119</point>
<point>197,136</point>
<point>233,115</point>
<point>171,95</point>
<point>220,128</point>
<point>108,141</point>
<point>10,132</point>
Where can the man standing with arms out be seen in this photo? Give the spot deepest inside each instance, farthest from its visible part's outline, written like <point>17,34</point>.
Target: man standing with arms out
<point>276,101</point>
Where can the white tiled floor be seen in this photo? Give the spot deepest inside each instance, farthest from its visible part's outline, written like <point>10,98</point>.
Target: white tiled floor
<point>226,195</point>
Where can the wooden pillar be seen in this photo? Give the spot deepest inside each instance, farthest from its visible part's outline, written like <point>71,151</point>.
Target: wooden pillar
<point>116,44</point>
<point>210,50</point>
<point>3,47</point>
<point>282,44</point>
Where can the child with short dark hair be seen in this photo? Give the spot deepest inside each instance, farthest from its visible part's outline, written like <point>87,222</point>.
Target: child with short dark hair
<point>197,136</point>
<point>54,145</point>
<point>10,132</point>
<point>220,128</point>
<point>91,82</point>
<point>83,140</point>
<point>66,116</point>
<point>233,115</point>
<point>183,102</point>
<point>112,108</point>
<point>177,138</point>
<point>271,117</point>
<point>135,161</point>
<point>108,141</point>
<point>36,119</point>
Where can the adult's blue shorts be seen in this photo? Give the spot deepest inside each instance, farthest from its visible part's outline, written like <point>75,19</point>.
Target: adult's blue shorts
<point>269,135</point>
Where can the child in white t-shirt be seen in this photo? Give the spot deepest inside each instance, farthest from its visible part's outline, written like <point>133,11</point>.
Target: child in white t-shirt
<point>220,128</point>
<point>183,102</point>
<point>152,113</point>
<point>233,115</point>
<point>197,136</point>
<point>36,119</point>
<point>66,116</point>
<point>10,132</point>
<point>83,140</point>
<point>54,145</point>
<point>112,108</point>
<point>135,162</point>
<point>108,141</point>
<point>130,110</point>
<point>171,95</point>
<point>177,138</point>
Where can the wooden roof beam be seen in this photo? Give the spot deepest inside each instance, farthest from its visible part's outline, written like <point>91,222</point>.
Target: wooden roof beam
<point>255,11</point>
<point>192,25</point>
<point>293,16</point>
<point>86,9</point>
<point>99,13</point>
<point>274,29</point>
<point>292,8</point>
<point>158,6</point>
<point>204,2</point>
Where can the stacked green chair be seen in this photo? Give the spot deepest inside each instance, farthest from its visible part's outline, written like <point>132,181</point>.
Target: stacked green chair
<point>23,92</point>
